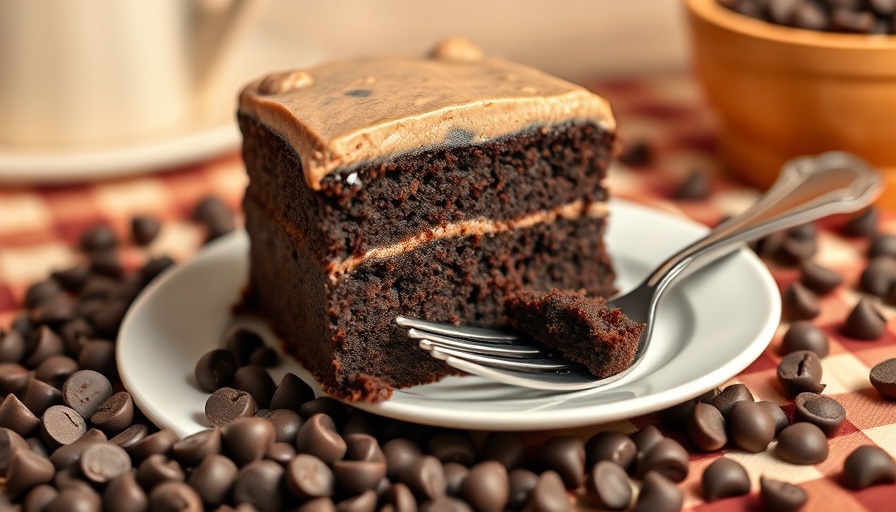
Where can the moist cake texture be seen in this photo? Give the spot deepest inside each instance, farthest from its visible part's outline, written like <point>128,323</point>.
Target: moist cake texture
<point>426,187</point>
<point>584,329</point>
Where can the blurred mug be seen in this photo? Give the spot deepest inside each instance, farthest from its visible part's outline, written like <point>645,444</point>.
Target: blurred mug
<point>93,71</point>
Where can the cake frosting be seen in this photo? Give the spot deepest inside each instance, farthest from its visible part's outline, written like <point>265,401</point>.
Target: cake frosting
<point>343,114</point>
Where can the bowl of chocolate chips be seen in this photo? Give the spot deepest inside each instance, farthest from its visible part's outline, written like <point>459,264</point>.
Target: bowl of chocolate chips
<point>798,77</point>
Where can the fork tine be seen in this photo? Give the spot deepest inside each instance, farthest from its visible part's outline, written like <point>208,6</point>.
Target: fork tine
<point>549,381</point>
<point>530,365</point>
<point>495,349</point>
<point>459,331</point>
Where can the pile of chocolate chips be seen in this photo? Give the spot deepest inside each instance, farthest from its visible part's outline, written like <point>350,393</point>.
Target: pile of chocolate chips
<point>851,16</point>
<point>72,439</point>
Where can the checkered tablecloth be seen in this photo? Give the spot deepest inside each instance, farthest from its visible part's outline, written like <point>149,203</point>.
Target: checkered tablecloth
<point>39,228</point>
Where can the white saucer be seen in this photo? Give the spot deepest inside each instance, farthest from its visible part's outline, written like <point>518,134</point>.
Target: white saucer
<point>711,326</point>
<point>204,134</point>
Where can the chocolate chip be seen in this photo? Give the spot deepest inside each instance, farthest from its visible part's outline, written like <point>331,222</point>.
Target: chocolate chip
<point>191,450</point>
<point>40,291</point>
<point>883,7</point>
<point>695,186</point>
<point>451,447</point>
<point>321,505</point>
<point>9,440</point>
<point>227,404</point>
<point>25,470</point>
<point>732,394</point>
<point>98,238</point>
<point>364,502</point>
<point>363,447</point>
<point>425,477</point>
<point>658,494</point>
<point>213,478</point>
<point>106,262</point>
<point>798,303</point>
<point>216,216</point>
<point>281,453</point>
<point>72,278</point>
<point>67,455</point>
<point>108,316</point>
<point>286,424</point>
<point>154,267</point>
<point>868,465</point>
<point>400,498</point>
<point>159,443</point>
<point>124,494</point>
<point>800,371</point>
<point>566,456</point>
<point>247,439</point>
<point>776,413</point>
<point>549,495</point>
<point>608,487</point>
<point>174,496</point>
<point>667,458</point>
<point>356,476</point>
<point>778,496</point>
<point>145,229</point>
<point>454,476</point>
<point>864,322</point>
<point>16,417</point>
<point>291,393</point>
<point>215,369</point>
<point>400,453</point>
<point>706,428</point>
<point>45,344</point>
<point>879,276</point>
<point>645,439</point>
<point>863,223</point>
<point>85,391</point>
<point>803,335</point>
<point>157,469</point>
<point>724,478</point>
<point>318,437</point>
<point>751,427</point>
<point>822,411</point>
<point>56,370</point>
<point>61,425</point>
<point>802,443</point>
<point>12,347</point>
<point>883,378</point>
<point>258,484</point>
<point>637,153</point>
<point>101,462</point>
<point>612,446</point>
<point>13,378</point>
<point>38,498</point>
<point>783,12</point>
<point>115,414</point>
<point>99,356</point>
<point>80,498</point>
<point>256,381</point>
<point>266,357</point>
<point>131,436</point>
<point>308,477</point>
<point>845,20</point>
<point>522,482</point>
<point>818,279</point>
<point>487,487</point>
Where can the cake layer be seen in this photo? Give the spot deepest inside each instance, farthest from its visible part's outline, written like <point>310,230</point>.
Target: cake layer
<point>339,115</point>
<point>392,201</point>
<point>344,330</point>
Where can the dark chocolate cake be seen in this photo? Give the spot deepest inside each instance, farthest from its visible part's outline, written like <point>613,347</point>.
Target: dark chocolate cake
<point>425,187</point>
<point>584,329</point>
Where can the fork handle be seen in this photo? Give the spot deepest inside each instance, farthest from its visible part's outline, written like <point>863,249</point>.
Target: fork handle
<point>807,189</point>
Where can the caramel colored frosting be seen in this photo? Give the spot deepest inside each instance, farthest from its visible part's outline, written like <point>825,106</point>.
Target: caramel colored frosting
<point>342,114</point>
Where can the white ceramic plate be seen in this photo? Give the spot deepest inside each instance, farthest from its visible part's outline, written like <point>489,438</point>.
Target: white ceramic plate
<point>711,326</point>
<point>203,135</point>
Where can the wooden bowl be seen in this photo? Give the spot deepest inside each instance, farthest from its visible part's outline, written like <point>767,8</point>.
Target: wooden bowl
<point>782,92</point>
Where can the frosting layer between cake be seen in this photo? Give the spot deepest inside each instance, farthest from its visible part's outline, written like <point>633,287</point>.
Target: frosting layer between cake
<point>343,114</point>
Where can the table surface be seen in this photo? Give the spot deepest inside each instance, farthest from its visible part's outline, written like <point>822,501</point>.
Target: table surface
<point>39,229</point>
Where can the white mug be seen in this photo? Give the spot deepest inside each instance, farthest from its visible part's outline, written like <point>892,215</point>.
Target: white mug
<point>90,72</point>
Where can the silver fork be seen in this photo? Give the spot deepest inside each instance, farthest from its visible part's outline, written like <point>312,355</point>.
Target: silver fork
<point>807,189</point>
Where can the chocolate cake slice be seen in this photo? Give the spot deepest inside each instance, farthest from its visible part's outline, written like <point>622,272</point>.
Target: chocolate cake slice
<point>425,187</point>
<point>583,329</point>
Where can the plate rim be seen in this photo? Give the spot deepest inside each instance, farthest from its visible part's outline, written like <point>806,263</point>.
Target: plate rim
<point>477,420</point>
